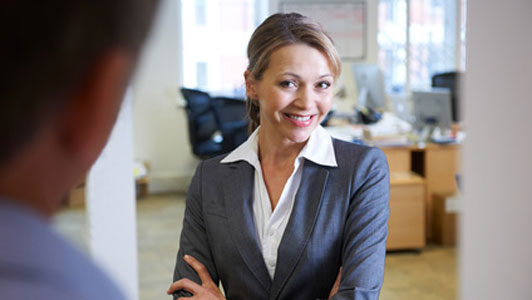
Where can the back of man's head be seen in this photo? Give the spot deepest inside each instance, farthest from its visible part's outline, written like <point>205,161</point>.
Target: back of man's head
<point>48,50</point>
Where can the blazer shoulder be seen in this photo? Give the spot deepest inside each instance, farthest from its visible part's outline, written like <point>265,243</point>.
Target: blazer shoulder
<point>213,170</point>
<point>213,163</point>
<point>348,153</point>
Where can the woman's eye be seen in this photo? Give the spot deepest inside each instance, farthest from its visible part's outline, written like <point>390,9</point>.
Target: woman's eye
<point>287,84</point>
<point>324,85</point>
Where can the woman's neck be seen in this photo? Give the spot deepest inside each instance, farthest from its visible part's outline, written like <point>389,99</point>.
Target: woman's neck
<point>277,152</point>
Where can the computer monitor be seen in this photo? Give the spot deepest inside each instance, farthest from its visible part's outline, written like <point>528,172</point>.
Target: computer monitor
<point>432,107</point>
<point>370,86</point>
<point>452,81</point>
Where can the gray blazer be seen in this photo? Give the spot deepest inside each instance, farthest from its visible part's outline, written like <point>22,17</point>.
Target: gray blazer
<point>339,218</point>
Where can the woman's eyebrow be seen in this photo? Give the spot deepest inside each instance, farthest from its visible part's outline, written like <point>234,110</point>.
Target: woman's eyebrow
<point>291,74</point>
<point>326,75</point>
<point>297,76</point>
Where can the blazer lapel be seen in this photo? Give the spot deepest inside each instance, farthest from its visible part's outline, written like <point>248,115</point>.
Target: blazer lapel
<point>299,229</point>
<point>238,195</point>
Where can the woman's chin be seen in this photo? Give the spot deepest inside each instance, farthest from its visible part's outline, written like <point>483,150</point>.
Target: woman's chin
<point>300,136</point>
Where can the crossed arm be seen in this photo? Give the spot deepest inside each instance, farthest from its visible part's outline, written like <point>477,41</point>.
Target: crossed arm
<point>208,289</point>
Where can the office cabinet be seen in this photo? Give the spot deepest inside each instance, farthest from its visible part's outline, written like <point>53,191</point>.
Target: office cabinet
<point>406,226</point>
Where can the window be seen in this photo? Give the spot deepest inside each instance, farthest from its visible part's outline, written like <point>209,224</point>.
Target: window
<point>418,38</point>
<point>200,11</point>
<point>392,40</point>
<point>463,11</point>
<point>201,75</point>
<point>215,36</point>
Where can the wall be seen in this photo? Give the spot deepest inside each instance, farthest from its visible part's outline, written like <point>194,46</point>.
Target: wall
<point>496,252</point>
<point>160,124</point>
<point>110,193</point>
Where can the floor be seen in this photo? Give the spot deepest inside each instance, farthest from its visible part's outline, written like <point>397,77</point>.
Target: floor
<point>428,275</point>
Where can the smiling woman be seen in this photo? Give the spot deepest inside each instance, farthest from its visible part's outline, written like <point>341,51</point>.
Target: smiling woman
<point>291,213</point>
<point>294,94</point>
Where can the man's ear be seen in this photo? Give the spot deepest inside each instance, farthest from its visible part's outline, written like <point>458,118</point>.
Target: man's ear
<point>93,108</point>
<point>251,89</point>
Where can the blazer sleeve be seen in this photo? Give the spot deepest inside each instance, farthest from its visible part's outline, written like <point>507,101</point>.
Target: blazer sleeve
<point>366,229</point>
<point>194,239</point>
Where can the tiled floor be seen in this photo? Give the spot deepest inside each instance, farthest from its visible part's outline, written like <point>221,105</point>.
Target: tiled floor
<point>428,275</point>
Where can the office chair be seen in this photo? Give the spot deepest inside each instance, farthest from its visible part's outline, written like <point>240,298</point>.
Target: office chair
<point>202,124</point>
<point>232,121</point>
<point>450,80</point>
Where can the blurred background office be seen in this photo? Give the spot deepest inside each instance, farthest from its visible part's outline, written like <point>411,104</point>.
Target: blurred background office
<point>396,53</point>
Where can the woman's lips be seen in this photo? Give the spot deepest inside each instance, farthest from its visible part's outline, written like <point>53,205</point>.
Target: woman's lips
<point>299,120</point>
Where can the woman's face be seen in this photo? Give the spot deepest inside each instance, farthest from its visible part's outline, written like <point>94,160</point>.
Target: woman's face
<point>294,94</point>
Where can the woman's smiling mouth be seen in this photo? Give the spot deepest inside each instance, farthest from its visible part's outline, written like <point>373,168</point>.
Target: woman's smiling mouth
<point>299,120</point>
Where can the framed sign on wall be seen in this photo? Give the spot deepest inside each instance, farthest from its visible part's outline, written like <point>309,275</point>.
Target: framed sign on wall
<point>344,21</point>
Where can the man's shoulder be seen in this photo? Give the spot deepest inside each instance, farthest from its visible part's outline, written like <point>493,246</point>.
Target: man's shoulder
<point>27,283</point>
<point>83,281</point>
<point>35,259</point>
<point>15,289</point>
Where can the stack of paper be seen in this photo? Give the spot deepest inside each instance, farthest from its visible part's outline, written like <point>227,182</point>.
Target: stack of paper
<point>389,131</point>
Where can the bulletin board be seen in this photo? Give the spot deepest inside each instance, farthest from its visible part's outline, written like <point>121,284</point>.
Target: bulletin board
<point>344,21</point>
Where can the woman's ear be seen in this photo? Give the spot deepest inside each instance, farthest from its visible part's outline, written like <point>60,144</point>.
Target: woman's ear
<point>251,89</point>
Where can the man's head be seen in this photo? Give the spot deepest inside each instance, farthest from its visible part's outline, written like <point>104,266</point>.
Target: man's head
<point>65,64</point>
<point>49,49</point>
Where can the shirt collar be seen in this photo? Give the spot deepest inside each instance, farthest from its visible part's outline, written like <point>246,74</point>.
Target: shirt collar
<point>319,149</point>
<point>247,151</point>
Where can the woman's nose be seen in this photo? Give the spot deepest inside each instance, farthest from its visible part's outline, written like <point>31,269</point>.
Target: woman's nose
<point>305,98</point>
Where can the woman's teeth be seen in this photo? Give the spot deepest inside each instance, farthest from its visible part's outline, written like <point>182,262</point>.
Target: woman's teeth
<point>298,118</point>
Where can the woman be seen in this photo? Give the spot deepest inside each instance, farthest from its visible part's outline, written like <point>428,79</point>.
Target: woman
<point>282,215</point>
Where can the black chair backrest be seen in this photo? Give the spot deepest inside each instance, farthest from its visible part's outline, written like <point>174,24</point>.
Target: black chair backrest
<point>450,80</point>
<point>232,120</point>
<point>201,117</point>
<point>197,101</point>
<point>229,110</point>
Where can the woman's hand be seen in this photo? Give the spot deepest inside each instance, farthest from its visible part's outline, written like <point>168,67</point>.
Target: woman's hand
<point>206,291</point>
<point>336,284</point>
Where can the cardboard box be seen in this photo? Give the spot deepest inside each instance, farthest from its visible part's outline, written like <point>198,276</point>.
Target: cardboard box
<point>445,216</point>
<point>141,187</point>
<point>141,172</point>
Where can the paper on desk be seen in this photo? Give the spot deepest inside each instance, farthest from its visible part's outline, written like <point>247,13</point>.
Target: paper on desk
<point>346,132</point>
<point>389,125</point>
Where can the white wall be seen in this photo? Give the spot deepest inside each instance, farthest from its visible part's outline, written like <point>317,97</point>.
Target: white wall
<point>160,126</point>
<point>496,252</point>
<point>111,193</point>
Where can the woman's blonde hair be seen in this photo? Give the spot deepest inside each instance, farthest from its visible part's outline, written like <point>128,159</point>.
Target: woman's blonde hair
<point>277,31</point>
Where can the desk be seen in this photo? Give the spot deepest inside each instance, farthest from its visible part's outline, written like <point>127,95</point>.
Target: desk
<point>437,164</point>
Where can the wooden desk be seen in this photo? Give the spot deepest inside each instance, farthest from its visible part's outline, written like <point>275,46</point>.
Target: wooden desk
<point>437,164</point>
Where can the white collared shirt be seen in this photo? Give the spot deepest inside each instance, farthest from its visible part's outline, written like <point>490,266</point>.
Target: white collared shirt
<point>270,225</point>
